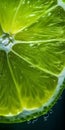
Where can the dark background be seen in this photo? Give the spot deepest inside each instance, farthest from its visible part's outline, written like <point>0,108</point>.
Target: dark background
<point>54,120</point>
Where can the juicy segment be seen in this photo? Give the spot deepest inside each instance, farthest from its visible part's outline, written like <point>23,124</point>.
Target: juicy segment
<point>8,91</point>
<point>28,84</point>
<point>29,72</point>
<point>48,28</point>
<point>22,13</point>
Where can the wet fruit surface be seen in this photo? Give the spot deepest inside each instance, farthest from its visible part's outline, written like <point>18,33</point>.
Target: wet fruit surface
<point>32,57</point>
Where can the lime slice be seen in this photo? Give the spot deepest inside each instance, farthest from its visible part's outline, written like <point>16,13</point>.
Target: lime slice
<point>32,57</point>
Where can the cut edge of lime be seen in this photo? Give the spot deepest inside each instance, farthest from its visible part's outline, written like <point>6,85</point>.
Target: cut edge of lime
<point>27,115</point>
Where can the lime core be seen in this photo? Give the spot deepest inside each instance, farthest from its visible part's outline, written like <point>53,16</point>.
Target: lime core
<point>6,42</point>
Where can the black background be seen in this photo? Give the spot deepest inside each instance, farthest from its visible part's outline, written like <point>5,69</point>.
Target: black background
<point>54,120</point>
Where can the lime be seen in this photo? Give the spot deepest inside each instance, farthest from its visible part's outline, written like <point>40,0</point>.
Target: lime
<point>32,57</point>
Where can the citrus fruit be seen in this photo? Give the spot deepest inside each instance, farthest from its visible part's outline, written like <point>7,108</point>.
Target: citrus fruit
<point>32,57</point>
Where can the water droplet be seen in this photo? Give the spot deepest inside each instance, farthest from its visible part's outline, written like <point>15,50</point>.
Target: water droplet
<point>23,2</point>
<point>31,15</point>
<point>49,13</point>
<point>29,122</point>
<point>30,5</point>
<point>37,21</point>
<point>26,29</point>
<point>32,66</point>
<point>60,98</point>
<point>35,120</point>
<point>28,2</point>
<point>62,31</point>
<point>54,80</point>
<point>46,117</point>
<point>51,111</point>
<point>31,44</point>
<point>38,7</point>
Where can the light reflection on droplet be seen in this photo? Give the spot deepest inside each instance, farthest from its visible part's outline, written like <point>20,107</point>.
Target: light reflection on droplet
<point>46,117</point>
<point>35,120</point>
<point>32,66</point>
<point>29,122</point>
<point>31,44</point>
<point>51,111</point>
<point>49,13</point>
<point>31,15</point>
<point>28,2</point>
